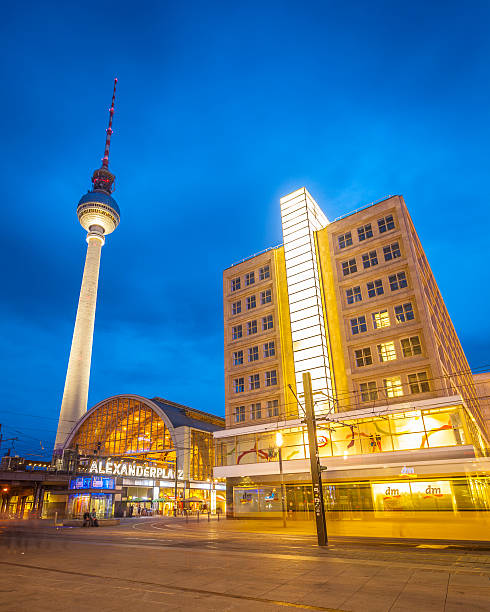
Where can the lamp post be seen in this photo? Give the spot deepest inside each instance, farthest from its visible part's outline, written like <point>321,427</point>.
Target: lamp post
<point>279,442</point>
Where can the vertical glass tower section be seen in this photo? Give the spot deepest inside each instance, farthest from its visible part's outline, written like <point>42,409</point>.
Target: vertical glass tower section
<point>301,217</point>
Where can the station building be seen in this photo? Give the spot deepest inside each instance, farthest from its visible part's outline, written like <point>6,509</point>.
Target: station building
<point>129,450</point>
<point>355,303</point>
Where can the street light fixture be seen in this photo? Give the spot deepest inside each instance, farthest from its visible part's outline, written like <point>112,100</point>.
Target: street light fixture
<point>279,443</point>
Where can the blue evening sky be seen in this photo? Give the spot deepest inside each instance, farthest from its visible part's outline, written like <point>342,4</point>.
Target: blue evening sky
<point>222,108</point>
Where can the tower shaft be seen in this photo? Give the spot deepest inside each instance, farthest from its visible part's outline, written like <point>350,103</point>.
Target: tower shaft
<point>75,394</point>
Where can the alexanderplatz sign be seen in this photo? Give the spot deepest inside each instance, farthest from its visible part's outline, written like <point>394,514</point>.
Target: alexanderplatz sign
<point>125,468</point>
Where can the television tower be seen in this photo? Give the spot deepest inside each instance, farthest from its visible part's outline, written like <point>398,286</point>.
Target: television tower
<point>99,214</point>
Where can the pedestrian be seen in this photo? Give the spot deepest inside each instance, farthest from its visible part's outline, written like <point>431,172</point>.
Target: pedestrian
<point>93,518</point>
<point>131,510</point>
<point>86,519</point>
<point>139,510</point>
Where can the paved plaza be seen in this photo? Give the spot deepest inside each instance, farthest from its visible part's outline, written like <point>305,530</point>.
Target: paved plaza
<point>171,564</point>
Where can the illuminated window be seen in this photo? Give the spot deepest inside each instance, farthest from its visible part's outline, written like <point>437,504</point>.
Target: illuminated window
<point>264,273</point>
<point>418,382</point>
<point>236,307</point>
<point>363,357</point>
<point>253,353</point>
<point>238,358</point>
<point>365,232</point>
<point>375,288</point>
<point>239,414</point>
<point>266,296</point>
<point>269,349</point>
<point>249,278</point>
<point>349,267</point>
<point>386,351</point>
<point>251,328</point>
<point>393,386</point>
<point>392,251</point>
<point>370,259</point>
<point>369,391</point>
<point>385,224</point>
<point>251,302</point>
<point>358,325</point>
<point>404,313</point>
<point>411,346</point>
<point>239,385</point>
<point>267,322</point>
<point>254,382</point>
<point>381,319</point>
<point>345,240</point>
<point>273,408</point>
<point>398,281</point>
<point>353,295</point>
<point>271,378</point>
<point>235,283</point>
<point>236,332</point>
<point>256,411</point>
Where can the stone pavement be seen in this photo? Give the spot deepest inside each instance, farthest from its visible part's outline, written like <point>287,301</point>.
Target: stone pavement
<point>172,567</point>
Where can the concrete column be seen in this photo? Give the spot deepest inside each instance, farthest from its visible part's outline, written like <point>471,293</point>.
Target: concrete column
<point>75,394</point>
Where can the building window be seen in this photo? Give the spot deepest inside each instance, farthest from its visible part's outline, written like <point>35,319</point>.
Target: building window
<point>398,281</point>
<point>375,288</point>
<point>385,224</point>
<point>254,382</point>
<point>267,322</point>
<point>271,378</point>
<point>365,232</point>
<point>386,351</point>
<point>236,332</point>
<point>345,240</point>
<point>256,411</point>
<point>251,328</point>
<point>249,278</point>
<point>419,382</point>
<point>393,386</point>
<point>363,357</point>
<point>269,349</point>
<point>253,353</point>
<point>264,273</point>
<point>238,358</point>
<point>273,408</point>
<point>239,385</point>
<point>239,414</point>
<point>235,283</point>
<point>353,295</point>
<point>404,313</point>
<point>358,325</point>
<point>266,296</point>
<point>381,319</point>
<point>369,391</point>
<point>236,307</point>
<point>392,251</point>
<point>370,259</point>
<point>411,346</point>
<point>349,267</point>
<point>251,302</point>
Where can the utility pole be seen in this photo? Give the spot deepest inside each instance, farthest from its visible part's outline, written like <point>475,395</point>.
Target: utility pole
<point>176,484</point>
<point>316,475</point>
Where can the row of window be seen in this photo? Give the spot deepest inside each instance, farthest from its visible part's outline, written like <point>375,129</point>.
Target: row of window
<point>370,259</point>
<point>392,387</point>
<point>376,287</point>
<point>270,380</point>
<point>252,327</point>
<point>387,351</point>
<point>265,297</point>
<point>366,231</point>
<point>268,350</point>
<point>256,411</point>
<point>249,278</point>
<point>381,318</point>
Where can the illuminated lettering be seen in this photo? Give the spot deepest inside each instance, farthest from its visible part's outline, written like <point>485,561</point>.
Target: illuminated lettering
<point>139,470</point>
<point>124,469</point>
<point>117,468</point>
<point>146,472</point>
<point>131,470</point>
<point>93,467</point>
<point>108,467</point>
<point>153,472</point>
<point>101,471</point>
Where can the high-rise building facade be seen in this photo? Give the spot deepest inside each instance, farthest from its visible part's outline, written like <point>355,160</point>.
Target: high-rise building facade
<point>354,302</point>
